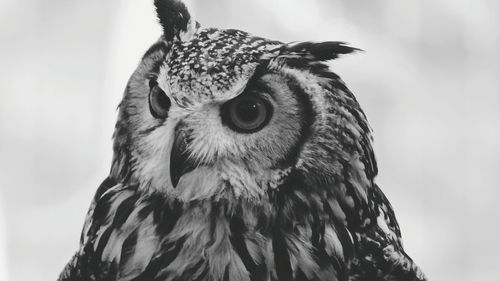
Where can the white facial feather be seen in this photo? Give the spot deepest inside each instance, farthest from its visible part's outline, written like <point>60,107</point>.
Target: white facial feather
<point>245,162</point>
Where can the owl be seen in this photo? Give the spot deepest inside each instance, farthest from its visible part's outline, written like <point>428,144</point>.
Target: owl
<point>239,158</point>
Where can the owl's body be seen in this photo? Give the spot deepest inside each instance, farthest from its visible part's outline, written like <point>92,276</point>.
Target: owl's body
<point>239,158</point>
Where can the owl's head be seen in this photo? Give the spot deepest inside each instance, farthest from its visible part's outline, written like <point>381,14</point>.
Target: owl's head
<point>212,113</point>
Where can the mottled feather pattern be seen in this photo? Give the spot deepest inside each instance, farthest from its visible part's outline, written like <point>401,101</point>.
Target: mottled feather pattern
<point>231,237</point>
<point>290,236</point>
<point>209,65</point>
<point>294,201</point>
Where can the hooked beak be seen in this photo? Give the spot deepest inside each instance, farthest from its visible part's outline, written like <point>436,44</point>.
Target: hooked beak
<point>180,160</point>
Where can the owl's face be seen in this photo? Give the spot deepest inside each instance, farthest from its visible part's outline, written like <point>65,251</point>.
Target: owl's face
<point>215,113</point>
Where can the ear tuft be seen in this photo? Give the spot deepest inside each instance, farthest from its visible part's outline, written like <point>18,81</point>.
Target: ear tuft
<point>322,51</point>
<point>174,17</point>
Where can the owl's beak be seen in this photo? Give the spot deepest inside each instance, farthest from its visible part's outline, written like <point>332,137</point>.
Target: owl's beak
<point>180,160</point>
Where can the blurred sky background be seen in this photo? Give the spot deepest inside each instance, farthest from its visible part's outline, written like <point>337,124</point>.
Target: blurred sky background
<point>428,81</point>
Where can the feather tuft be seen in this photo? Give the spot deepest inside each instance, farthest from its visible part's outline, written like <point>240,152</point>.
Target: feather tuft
<point>174,18</point>
<point>321,51</point>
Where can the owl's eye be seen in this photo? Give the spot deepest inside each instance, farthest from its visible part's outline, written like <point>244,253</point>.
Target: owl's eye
<point>247,114</point>
<point>159,103</point>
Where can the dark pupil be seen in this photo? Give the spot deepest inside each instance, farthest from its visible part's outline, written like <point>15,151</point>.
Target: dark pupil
<point>162,99</point>
<point>247,111</point>
<point>159,103</point>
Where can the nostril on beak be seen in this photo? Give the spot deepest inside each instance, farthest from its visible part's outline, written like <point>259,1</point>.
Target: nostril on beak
<point>180,160</point>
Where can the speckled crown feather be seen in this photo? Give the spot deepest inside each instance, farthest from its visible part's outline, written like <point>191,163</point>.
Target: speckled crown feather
<point>213,64</point>
<point>210,64</point>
